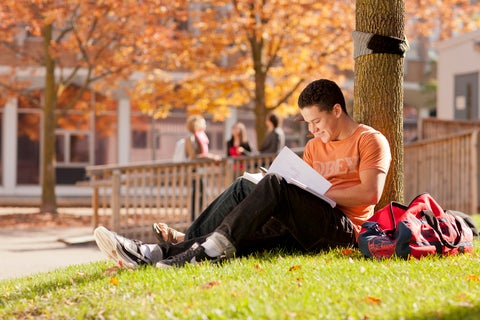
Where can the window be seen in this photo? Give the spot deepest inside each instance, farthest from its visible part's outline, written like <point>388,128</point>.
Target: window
<point>105,138</point>
<point>72,148</point>
<point>60,146</point>
<point>139,139</point>
<point>79,148</point>
<point>28,148</point>
<point>72,156</point>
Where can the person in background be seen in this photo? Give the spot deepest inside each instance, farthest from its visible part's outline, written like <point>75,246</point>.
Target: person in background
<point>275,139</point>
<point>238,144</point>
<point>196,145</point>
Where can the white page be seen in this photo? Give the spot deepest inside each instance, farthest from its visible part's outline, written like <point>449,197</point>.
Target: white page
<point>290,166</point>
<point>253,177</point>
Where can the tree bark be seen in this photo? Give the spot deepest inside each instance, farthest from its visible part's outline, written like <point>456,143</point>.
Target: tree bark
<point>259,98</point>
<point>378,92</point>
<point>47,173</point>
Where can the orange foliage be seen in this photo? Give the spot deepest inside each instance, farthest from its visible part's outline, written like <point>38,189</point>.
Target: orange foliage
<point>230,52</point>
<point>438,20</point>
<point>108,39</point>
<point>235,47</point>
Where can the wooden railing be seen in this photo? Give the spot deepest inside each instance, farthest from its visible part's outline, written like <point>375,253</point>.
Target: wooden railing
<point>445,164</point>
<point>129,198</point>
<point>434,128</point>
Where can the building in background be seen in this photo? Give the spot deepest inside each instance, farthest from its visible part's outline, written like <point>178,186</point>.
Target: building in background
<point>458,77</point>
<point>119,134</point>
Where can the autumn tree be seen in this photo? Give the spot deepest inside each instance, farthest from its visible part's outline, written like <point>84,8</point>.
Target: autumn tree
<point>258,54</point>
<point>202,54</point>
<point>431,21</point>
<point>91,45</point>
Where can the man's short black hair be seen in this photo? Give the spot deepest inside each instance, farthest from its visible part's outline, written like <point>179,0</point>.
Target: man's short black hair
<point>273,118</point>
<point>322,93</point>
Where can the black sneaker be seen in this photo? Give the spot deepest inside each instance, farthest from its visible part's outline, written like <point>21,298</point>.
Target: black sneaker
<point>194,254</point>
<point>125,252</point>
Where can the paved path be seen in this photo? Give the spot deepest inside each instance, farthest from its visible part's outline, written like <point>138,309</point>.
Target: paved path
<point>25,252</point>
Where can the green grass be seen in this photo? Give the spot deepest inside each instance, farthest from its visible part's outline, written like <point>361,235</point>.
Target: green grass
<point>339,284</point>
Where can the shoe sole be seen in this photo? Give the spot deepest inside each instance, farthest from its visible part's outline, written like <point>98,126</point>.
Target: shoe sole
<point>109,246</point>
<point>161,265</point>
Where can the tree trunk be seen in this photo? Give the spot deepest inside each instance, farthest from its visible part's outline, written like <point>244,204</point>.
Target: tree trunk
<point>378,92</point>
<point>259,99</point>
<point>47,173</point>
<point>260,108</point>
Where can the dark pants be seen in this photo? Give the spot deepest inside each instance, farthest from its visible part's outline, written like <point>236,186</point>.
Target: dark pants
<point>272,213</point>
<point>219,208</point>
<point>200,197</point>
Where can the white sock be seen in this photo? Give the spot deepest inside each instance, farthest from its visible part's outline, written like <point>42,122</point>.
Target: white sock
<point>217,245</point>
<point>211,248</point>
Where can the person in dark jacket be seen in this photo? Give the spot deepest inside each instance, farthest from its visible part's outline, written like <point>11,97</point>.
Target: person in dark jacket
<point>275,138</point>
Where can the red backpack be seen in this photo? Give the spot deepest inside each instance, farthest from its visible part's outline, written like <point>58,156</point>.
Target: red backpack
<point>420,229</point>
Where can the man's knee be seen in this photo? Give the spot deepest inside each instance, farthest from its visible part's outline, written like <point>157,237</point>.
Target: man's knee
<point>244,184</point>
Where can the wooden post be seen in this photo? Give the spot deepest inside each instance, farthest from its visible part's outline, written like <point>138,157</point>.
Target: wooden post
<point>474,171</point>
<point>115,200</point>
<point>95,219</point>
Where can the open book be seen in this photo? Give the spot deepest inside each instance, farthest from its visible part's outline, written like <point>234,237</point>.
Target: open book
<point>296,171</point>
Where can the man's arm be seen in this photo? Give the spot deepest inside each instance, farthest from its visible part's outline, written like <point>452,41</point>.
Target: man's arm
<point>368,192</point>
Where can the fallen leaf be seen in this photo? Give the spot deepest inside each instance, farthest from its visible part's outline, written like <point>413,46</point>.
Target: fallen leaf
<point>210,284</point>
<point>472,277</point>
<point>114,281</point>
<point>295,268</point>
<point>372,300</point>
<point>347,252</point>
<point>111,271</point>
<point>258,267</point>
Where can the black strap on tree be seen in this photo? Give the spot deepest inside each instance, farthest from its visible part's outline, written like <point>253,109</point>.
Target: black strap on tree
<point>369,43</point>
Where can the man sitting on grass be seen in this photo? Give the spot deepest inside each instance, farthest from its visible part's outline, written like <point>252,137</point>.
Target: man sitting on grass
<point>354,157</point>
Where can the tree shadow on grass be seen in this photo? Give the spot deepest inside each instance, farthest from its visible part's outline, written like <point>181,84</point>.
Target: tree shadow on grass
<point>41,284</point>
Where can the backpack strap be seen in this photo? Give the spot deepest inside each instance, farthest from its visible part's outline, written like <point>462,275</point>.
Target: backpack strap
<point>467,219</point>
<point>433,222</point>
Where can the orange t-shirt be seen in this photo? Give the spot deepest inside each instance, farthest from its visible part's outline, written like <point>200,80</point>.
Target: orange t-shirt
<point>340,162</point>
